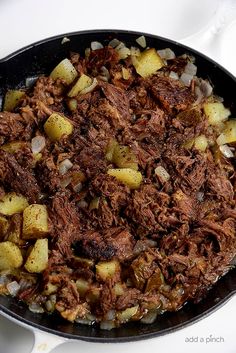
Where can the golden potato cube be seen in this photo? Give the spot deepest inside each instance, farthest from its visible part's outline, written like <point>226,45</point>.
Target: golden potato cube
<point>10,256</point>
<point>119,289</point>
<point>82,286</point>
<point>112,144</point>
<point>50,289</point>
<point>56,126</point>
<point>35,221</point>
<point>216,112</point>
<point>148,62</point>
<point>13,147</point>
<point>229,133</point>
<point>12,203</point>
<point>128,176</point>
<point>107,269</point>
<point>83,82</point>
<point>201,143</point>
<point>12,99</point>
<point>65,71</point>
<point>38,258</point>
<point>123,157</point>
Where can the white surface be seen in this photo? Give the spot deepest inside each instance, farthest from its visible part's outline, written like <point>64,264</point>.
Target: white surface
<point>23,22</point>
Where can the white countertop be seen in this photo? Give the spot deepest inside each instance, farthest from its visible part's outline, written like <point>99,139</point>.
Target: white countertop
<point>23,22</point>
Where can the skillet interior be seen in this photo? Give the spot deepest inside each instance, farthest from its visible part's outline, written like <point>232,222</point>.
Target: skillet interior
<point>41,58</point>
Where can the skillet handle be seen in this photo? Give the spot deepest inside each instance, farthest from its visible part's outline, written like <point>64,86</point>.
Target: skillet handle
<point>45,342</point>
<point>208,40</point>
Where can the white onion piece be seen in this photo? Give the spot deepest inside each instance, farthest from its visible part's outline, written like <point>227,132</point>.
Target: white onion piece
<point>107,325</point>
<point>96,45</point>
<point>134,51</point>
<point>166,54</point>
<point>30,81</point>
<point>174,75</point>
<point>49,305</point>
<point>162,173</point>
<point>13,288</point>
<point>120,46</point>
<point>198,94</point>
<point>1,101</point>
<point>65,182</point>
<point>78,187</point>
<point>37,144</point>
<point>110,315</point>
<point>124,53</point>
<point>141,41</point>
<point>105,72</point>
<point>64,166</point>
<point>36,308</point>
<point>206,88</point>
<point>65,40</point>
<point>24,284</point>
<point>90,88</point>
<point>186,79</point>
<point>3,279</point>
<point>200,196</point>
<point>84,321</point>
<point>149,318</point>
<point>190,69</point>
<point>114,43</point>
<point>82,204</point>
<point>226,151</point>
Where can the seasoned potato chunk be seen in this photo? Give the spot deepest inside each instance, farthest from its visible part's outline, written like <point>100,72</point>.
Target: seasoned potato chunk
<point>127,314</point>
<point>148,62</point>
<point>10,256</point>
<point>38,258</point>
<point>13,147</point>
<point>123,157</point>
<point>56,126</point>
<point>201,143</point>
<point>12,203</point>
<point>112,144</point>
<point>12,99</point>
<point>128,176</point>
<point>229,133</point>
<point>64,70</point>
<point>216,112</point>
<point>35,221</point>
<point>107,269</point>
<point>83,82</point>
<point>82,286</point>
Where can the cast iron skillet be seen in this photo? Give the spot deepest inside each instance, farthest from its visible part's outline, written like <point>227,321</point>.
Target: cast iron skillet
<point>42,57</point>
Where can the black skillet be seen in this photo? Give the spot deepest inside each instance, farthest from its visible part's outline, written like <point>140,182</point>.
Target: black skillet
<point>42,57</point>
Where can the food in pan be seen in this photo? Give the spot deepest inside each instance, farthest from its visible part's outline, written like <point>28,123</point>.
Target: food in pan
<point>117,184</point>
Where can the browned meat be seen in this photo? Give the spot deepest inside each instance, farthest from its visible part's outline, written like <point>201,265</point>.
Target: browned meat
<point>15,126</point>
<point>102,57</point>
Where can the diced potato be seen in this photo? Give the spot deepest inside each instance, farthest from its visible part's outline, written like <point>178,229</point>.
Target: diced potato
<point>123,157</point>
<point>12,99</point>
<point>83,82</point>
<point>128,176</point>
<point>93,295</point>
<point>10,256</point>
<point>13,147</point>
<point>148,62</point>
<point>125,73</point>
<point>4,225</point>
<point>107,269</point>
<point>118,289</point>
<point>127,314</point>
<point>112,144</point>
<point>38,258</point>
<point>82,286</point>
<point>94,204</point>
<point>56,126</point>
<point>201,143</point>
<point>229,133</point>
<point>189,144</point>
<point>64,70</point>
<point>35,221</point>
<point>216,112</point>
<point>50,288</point>
<point>12,203</point>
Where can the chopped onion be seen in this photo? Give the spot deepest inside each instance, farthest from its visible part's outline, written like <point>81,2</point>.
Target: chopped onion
<point>124,53</point>
<point>114,43</point>
<point>84,321</point>
<point>150,317</point>
<point>166,54</point>
<point>141,41</point>
<point>198,94</point>
<point>49,305</point>
<point>107,325</point>
<point>24,284</point>
<point>36,308</point>
<point>30,81</point>
<point>105,73</point>
<point>190,69</point>
<point>110,315</point>
<point>120,46</point>
<point>1,101</point>
<point>226,151</point>
<point>206,88</point>
<point>134,51</point>
<point>96,45</point>
<point>3,279</point>
<point>82,204</point>
<point>174,75</point>
<point>78,187</point>
<point>65,40</point>
<point>65,181</point>
<point>186,79</point>
<point>64,166</point>
<point>200,196</point>
<point>13,288</point>
<point>162,173</point>
<point>90,88</point>
<point>37,144</point>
